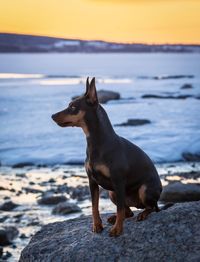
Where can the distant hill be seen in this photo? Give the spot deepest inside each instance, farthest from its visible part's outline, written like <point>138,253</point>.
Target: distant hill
<point>17,43</point>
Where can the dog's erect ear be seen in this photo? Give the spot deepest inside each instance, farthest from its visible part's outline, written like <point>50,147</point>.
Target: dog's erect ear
<point>92,93</point>
<point>87,86</point>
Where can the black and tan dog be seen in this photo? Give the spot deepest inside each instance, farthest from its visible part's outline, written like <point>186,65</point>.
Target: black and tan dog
<point>112,162</point>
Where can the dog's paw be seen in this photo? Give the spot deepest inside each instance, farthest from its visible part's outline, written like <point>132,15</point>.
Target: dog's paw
<point>143,215</point>
<point>112,219</point>
<point>115,231</point>
<point>97,228</point>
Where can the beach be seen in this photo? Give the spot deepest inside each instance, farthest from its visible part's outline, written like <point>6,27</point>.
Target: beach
<point>25,187</point>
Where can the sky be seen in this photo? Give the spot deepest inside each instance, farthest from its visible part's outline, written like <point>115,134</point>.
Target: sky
<point>128,21</point>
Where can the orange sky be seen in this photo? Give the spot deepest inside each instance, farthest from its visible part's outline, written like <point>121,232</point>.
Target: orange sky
<point>148,21</point>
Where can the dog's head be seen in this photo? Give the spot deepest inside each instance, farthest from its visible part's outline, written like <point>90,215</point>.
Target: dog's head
<point>77,111</point>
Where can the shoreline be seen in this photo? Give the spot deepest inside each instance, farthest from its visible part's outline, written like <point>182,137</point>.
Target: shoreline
<point>26,186</point>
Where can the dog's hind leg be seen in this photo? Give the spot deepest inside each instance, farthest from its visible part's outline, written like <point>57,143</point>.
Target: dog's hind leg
<point>128,212</point>
<point>149,199</point>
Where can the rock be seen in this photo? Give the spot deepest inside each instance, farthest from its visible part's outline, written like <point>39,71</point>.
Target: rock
<point>164,77</point>
<point>52,180</point>
<point>23,236</point>
<point>167,96</point>
<point>170,235</point>
<point>49,199</point>
<point>23,164</point>
<point>191,157</point>
<point>3,188</point>
<point>65,208</point>
<point>23,175</point>
<point>135,122</point>
<point>186,86</point>
<point>7,234</point>
<point>179,192</point>
<point>8,206</point>
<point>1,251</point>
<point>105,95</point>
<point>32,190</point>
<point>80,192</point>
<point>3,218</point>
<point>6,256</point>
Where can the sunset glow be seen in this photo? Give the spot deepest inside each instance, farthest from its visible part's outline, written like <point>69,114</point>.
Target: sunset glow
<point>147,21</point>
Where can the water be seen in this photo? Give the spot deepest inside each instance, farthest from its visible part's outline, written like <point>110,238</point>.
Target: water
<point>34,86</point>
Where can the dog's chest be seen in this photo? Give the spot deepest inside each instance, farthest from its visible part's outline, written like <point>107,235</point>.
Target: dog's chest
<point>100,173</point>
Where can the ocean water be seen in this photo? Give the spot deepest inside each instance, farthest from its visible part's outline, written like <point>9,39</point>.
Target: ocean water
<point>34,86</point>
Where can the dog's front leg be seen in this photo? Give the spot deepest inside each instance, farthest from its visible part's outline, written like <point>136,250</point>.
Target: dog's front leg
<point>94,190</point>
<point>117,228</point>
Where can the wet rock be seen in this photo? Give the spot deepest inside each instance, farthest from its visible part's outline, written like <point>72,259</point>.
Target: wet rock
<point>18,217</point>
<point>3,218</point>
<point>167,96</point>
<point>80,193</point>
<point>186,86</point>
<point>34,222</point>
<point>8,206</point>
<point>52,180</point>
<point>6,256</point>
<point>3,188</point>
<point>50,199</point>
<point>23,175</point>
<point>135,122</point>
<point>191,157</point>
<point>65,208</point>
<point>164,77</point>
<point>23,164</point>
<point>104,96</point>
<point>6,198</point>
<point>7,235</point>
<point>23,236</point>
<point>169,235</point>
<point>60,189</point>
<point>32,190</point>
<point>179,192</point>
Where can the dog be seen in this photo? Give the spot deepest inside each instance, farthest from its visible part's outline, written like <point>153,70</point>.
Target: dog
<point>112,162</point>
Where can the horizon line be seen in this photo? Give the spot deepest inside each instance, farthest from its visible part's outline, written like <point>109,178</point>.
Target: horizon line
<point>100,40</point>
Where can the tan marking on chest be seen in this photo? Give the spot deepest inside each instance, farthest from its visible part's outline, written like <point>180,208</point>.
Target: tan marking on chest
<point>87,166</point>
<point>103,169</point>
<point>142,193</point>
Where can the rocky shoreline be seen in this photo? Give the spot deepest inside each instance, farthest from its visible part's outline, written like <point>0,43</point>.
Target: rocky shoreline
<point>33,197</point>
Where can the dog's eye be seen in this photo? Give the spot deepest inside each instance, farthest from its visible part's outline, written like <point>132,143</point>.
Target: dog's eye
<point>73,108</point>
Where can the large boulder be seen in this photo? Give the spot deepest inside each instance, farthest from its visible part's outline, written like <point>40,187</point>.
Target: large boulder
<point>170,235</point>
<point>179,192</point>
<point>135,122</point>
<point>104,96</point>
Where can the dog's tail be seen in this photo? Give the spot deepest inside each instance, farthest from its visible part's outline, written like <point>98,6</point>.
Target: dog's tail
<point>166,206</point>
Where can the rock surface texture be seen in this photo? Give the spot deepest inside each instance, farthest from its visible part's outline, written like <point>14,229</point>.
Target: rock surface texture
<point>170,235</point>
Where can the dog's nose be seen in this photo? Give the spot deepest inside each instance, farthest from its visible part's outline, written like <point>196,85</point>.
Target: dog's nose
<point>53,117</point>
